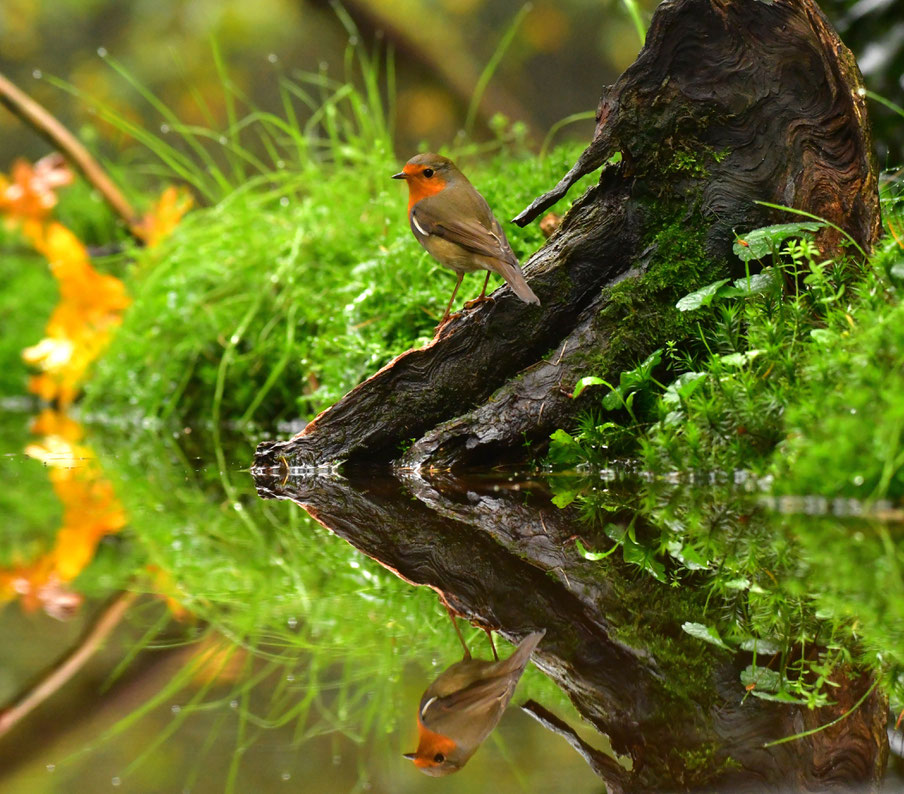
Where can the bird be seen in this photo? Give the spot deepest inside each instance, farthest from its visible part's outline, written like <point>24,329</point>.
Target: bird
<point>456,226</point>
<point>463,706</point>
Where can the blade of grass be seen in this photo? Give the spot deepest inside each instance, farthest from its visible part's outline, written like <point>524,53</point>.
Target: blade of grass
<point>490,69</point>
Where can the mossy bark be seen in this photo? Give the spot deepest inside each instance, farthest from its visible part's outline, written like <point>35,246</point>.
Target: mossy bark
<point>728,103</point>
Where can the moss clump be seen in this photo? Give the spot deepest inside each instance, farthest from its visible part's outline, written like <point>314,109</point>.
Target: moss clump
<point>845,432</point>
<point>639,314</point>
<point>641,311</point>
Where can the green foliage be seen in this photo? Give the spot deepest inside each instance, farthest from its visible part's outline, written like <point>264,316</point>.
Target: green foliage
<point>31,512</point>
<point>301,277</point>
<point>767,241</point>
<point>25,304</point>
<point>845,436</point>
<point>274,302</point>
<point>793,379</point>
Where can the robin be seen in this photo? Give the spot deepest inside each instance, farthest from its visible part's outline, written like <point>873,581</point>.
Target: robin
<point>463,705</point>
<point>456,226</point>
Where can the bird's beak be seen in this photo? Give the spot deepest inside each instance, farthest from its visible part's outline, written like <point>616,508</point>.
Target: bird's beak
<point>409,756</point>
<point>400,175</point>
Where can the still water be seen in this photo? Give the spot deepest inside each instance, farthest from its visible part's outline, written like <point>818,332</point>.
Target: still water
<point>174,622</point>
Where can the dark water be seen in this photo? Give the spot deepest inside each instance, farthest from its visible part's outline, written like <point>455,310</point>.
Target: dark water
<point>282,643</point>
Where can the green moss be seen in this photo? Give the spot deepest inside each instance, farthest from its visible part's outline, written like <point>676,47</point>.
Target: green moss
<point>640,313</point>
<point>799,379</point>
<point>26,302</point>
<point>273,303</point>
<point>707,758</point>
<point>687,163</point>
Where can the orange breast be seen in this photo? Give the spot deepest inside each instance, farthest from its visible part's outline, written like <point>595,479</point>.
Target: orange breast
<point>419,187</point>
<point>429,744</point>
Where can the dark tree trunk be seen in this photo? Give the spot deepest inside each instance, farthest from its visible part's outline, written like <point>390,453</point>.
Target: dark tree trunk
<point>506,559</point>
<point>728,103</point>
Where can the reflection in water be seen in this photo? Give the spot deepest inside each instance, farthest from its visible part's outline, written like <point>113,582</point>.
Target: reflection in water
<point>677,707</point>
<point>283,647</point>
<point>281,655</point>
<point>91,511</point>
<point>463,705</point>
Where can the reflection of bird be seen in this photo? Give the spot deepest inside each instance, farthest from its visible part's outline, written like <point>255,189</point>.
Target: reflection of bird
<point>463,705</point>
<point>456,226</point>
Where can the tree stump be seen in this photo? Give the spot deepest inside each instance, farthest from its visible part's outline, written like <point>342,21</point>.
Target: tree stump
<point>730,102</point>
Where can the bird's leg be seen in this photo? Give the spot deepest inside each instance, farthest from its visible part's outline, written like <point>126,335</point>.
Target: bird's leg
<point>492,644</point>
<point>458,631</point>
<point>449,306</point>
<point>483,294</point>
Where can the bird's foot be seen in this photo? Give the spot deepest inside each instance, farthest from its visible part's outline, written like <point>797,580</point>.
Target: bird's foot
<point>445,321</point>
<point>478,300</point>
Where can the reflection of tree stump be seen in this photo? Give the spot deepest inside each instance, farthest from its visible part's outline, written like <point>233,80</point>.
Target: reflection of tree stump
<point>672,703</point>
<point>728,103</point>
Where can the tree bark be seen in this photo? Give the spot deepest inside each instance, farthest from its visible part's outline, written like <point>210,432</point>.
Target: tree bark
<point>730,102</point>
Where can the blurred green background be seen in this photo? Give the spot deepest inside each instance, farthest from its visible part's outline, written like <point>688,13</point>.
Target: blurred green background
<point>562,53</point>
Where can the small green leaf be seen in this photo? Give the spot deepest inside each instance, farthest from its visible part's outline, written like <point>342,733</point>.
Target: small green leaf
<point>689,557</point>
<point>565,498</point>
<point>762,242</point>
<point>763,679</point>
<point>613,400</point>
<point>739,359</point>
<point>593,555</point>
<point>563,437</point>
<point>701,297</point>
<point>824,337</point>
<point>583,383</point>
<point>778,697</point>
<point>643,557</point>
<point>760,646</point>
<point>705,633</point>
<point>683,387</point>
<point>757,283</point>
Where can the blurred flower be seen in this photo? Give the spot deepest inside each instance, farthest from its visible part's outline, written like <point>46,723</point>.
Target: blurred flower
<point>79,329</point>
<point>29,194</point>
<point>165,216</point>
<point>91,511</point>
<point>164,586</point>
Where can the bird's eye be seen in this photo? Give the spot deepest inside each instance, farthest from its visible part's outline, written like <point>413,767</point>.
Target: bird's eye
<point>439,757</point>
<point>428,172</point>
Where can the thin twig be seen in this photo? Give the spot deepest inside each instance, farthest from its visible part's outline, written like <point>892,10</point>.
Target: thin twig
<point>37,117</point>
<point>607,768</point>
<point>60,674</point>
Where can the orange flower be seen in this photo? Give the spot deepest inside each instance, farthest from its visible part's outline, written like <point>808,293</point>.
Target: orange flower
<point>80,327</point>
<point>30,194</point>
<point>91,511</point>
<point>164,216</point>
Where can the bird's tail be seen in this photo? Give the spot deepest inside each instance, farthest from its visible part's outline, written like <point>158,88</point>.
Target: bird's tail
<point>512,274</point>
<point>518,660</point>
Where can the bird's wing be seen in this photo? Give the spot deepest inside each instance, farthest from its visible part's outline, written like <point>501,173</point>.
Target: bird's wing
<point>477,697</point>
<point>469,234</point>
